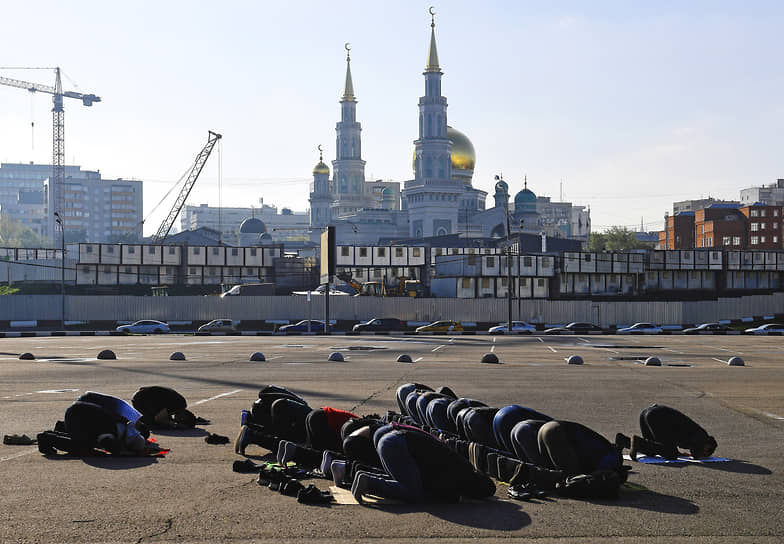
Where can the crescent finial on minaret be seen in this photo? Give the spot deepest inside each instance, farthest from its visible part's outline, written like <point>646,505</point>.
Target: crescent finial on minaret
<point>321,153</point>
<point>431,10</point>
<point>347,45</point>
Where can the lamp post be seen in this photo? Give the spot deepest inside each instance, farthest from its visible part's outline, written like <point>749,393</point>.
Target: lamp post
<point>59,220</point>
<point>508,259</point>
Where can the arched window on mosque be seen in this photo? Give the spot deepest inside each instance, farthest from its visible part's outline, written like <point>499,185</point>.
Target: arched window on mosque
<point>428,167</point>
<point>421,134</point>
<point>441,167</point>
<point>429,125</point>
<point>439,132</point>
<point>343,184</point>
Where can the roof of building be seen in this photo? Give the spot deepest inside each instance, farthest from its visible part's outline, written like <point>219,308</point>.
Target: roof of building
<point>203,236</point>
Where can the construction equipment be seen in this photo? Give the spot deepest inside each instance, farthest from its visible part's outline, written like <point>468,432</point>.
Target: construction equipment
<point>58,131</point>
<point>404,288</point>
<point>201,158</point>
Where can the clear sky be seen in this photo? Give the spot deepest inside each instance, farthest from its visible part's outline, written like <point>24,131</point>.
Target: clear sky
<point>631,105</point>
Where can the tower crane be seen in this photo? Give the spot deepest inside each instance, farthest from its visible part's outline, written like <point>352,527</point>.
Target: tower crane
<point>58,130</point>
<point>198,164</point>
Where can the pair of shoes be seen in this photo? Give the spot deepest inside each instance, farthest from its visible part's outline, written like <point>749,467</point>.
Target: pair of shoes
<point>506,468</point>
<point>290,487</point>
<point>18,440</point>
<point>245,466</point>
<point>312,495</point>
<point>525,492</point>
<point>360,486</point>
<point>213,438</point>
<point>269,475</point>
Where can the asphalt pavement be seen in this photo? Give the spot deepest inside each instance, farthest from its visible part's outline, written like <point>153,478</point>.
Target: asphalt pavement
<point>192,495</point>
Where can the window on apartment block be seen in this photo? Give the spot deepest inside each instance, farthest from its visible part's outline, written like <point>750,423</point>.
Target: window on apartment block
<point>344,251</point>
<point>736,240</point>
<point>234,252</point>
<point>196,250</point>
<point>762,213</point>
<point>253,252</point>
<point>775,239</point>
<point>398,252</point>
<point>754,213</point>
<point>775,212</point>
<point>754,227</point>
<point>151,250</point>
<point>381,252</point>
<point>215,251</point>
<point>363,252</point>
<point>490,262</point>
<point>726,240</point>
<point>465,283</point>
<point>416,252</point>
<point>131,250</point>
<point>754,240</point>
<point>485,283</point>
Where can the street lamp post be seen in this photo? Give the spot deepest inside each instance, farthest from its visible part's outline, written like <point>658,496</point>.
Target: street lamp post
<point>59,220</point>
<point>508,261</point>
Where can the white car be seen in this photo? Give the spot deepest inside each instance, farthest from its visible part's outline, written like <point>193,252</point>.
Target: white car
<point>517,326</point>
<point>641,328</point>
<point>769,328</point>
<point>145,326</point>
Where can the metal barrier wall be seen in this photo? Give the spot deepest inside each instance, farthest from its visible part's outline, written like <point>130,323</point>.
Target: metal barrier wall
<point>204,308</point>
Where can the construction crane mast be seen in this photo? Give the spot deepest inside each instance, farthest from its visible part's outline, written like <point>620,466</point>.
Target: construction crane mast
<point>58,132</point>
<point>201,158</point>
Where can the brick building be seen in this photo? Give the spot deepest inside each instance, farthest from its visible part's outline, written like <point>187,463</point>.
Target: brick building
<point>763,226</point>
<point>678,232</point>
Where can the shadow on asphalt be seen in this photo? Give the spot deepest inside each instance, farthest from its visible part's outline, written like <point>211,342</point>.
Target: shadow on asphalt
<point>491,514</point>
<point>736,465</point>
<point>108,462</point>
<point>638,496</point>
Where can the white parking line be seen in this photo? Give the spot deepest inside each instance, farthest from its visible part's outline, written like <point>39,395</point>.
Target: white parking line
<point>438,347</point>
<point>418,359</point>
<point>28,452</point>
<point>552,349</point>
<point>492,349</point>
<point>216,397</point>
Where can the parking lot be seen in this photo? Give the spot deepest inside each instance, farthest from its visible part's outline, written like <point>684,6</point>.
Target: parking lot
<point>192,494</point>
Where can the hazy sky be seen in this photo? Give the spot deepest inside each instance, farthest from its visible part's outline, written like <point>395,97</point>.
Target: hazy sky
<point>631,104</point>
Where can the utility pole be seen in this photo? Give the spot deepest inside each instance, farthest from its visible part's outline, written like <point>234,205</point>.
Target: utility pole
<point>59,221</point>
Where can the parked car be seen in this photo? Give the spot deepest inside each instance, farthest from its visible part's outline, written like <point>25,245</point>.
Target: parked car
<point>218,325</point>
<point>707,327</point>
<point>250,289</point>
<point>302,326</point>
<point>517,326</point>
<point>145,326</point>
<point>641,328</point>
<point>768,328</point>
<point>441,326</point>
<point>576,327</point>
<point>384,324</point>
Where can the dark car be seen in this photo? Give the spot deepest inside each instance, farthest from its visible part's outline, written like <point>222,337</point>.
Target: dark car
<point>708,327</point>
<point>576,328</point>
<point>384,324</point>
<point>302,326</point>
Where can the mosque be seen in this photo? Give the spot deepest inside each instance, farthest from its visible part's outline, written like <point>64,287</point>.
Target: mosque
<point>440,199</point>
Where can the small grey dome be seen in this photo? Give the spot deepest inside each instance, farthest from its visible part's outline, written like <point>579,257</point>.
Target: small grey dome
<point>252,226</point>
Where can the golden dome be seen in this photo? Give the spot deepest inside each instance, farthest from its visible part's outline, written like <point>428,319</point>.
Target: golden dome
<point>463,154</point>
<point>321,168</point>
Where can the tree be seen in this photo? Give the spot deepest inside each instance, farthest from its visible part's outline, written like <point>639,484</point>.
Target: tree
<point>14,234</point>
<point>615,239</point>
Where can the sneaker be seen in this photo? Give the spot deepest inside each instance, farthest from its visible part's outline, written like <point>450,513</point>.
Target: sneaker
<point>244,415</point>
<point>18,440</point>
<point>312,495</point>
<point>246,466</point>
<point>44,445</point>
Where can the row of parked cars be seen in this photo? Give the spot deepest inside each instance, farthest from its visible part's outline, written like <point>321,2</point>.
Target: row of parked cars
<point>389,324</point>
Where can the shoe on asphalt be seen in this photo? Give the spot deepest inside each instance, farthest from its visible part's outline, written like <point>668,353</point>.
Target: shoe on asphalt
<point>338,470</point>
<point>312,495</point>
<point>18,440</point>
<point>360,486</point>
<point>286,451</point>
<point>326,463</point>
<point>246,466</point>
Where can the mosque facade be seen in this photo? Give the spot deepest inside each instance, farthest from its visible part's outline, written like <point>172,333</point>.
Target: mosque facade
<point>440,199</point>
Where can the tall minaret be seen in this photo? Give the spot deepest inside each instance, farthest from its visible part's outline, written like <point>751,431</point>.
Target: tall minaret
<point>432,198</point>
<point>320,196</point>
<point>433,160</point>
<point>348,168</point>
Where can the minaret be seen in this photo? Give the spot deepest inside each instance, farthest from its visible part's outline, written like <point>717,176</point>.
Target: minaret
<point>432,198</point>
<point>433,149</point>
<point>348,168</point>
<point>320,197</point>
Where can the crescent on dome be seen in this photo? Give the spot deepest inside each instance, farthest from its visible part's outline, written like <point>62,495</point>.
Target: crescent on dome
<point>431,10</point>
